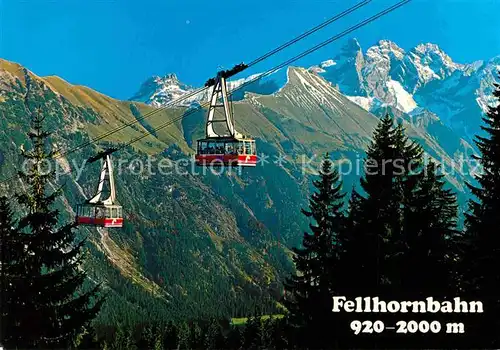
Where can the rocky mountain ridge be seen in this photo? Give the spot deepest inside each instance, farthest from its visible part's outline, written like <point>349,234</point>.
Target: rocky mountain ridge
<point>385,75</point>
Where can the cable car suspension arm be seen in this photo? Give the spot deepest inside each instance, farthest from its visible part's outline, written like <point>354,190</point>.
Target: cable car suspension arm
<point>284,64</point>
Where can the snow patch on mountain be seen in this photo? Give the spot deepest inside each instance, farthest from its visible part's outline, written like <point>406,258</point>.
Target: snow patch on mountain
<point>317,69</point>
<point>364,102</point>
<point>404,101</point>
<point>328,63</point>
<point>235,84</point>
<point>310,91</point>
<point>319,88</point>
<point>425,73</point>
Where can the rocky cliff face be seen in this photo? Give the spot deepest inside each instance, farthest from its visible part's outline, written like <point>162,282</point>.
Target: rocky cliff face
<point>424,77</point>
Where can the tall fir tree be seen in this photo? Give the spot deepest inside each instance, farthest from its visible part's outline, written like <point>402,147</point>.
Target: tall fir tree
<point>12,275</point>
<point>372,222</point>
<point>429,253</point>
<point>57,307</point>
<point>311,290</point>
<point>375,221</point>
<point>430,238</point>
<point>213,338</point>
<point>481,259</point>
<point>401,228</point>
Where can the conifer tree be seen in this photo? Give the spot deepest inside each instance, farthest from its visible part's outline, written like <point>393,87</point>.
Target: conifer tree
<point>311,290</point>
<point>430,238</point>
<point>158,345</point>
<point>183,336</point>
<point>481,275</point>
<point>279,334</point>
<point>11,277</point>
<point>251,333</point>
<point>214,338</point>
<point>373,224</point>
<point>123,339</point>
<point>170,336</point>
<point>401,233</point>
<point>428,258</point>
<point>56,306</point>
<point>266,332</point>
<point>196,336</point>
<point>147,338</point>
<point>375,217</point>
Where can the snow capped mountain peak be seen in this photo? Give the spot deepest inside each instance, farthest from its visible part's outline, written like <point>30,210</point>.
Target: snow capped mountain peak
<point>169,78</point>
<point>158,91</point>
<point>308,89</point>
<point>386,47</point>
<point>234,84</point>
<point>321,68</point>
<point>424,48</point>
<point>433,57</point>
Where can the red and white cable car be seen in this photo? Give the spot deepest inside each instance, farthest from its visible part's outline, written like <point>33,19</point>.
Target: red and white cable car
<point>223,145</point>
<point>97,212</point>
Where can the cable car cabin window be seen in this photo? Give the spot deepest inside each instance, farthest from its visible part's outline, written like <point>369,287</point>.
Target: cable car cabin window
<point>240,147</point>
<point>252,146</point>
<point>248,147</point>
<point>230,148</point>
<point>120,212</point>
<point>202,147</point>
<point>84,211</point>
<point>99,212</point>
<point>114,213</point>
<point>209,148</point>
<point>219,148</point>
<point>215,147</point>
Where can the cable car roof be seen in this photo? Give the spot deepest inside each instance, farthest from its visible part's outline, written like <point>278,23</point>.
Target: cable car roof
<point>227,139</point>
<point>100,204</point>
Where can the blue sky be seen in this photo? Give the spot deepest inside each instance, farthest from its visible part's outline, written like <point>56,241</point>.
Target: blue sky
<point>114,45</point>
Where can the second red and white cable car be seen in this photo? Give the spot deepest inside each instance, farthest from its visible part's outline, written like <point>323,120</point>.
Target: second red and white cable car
<point>97,212</point>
